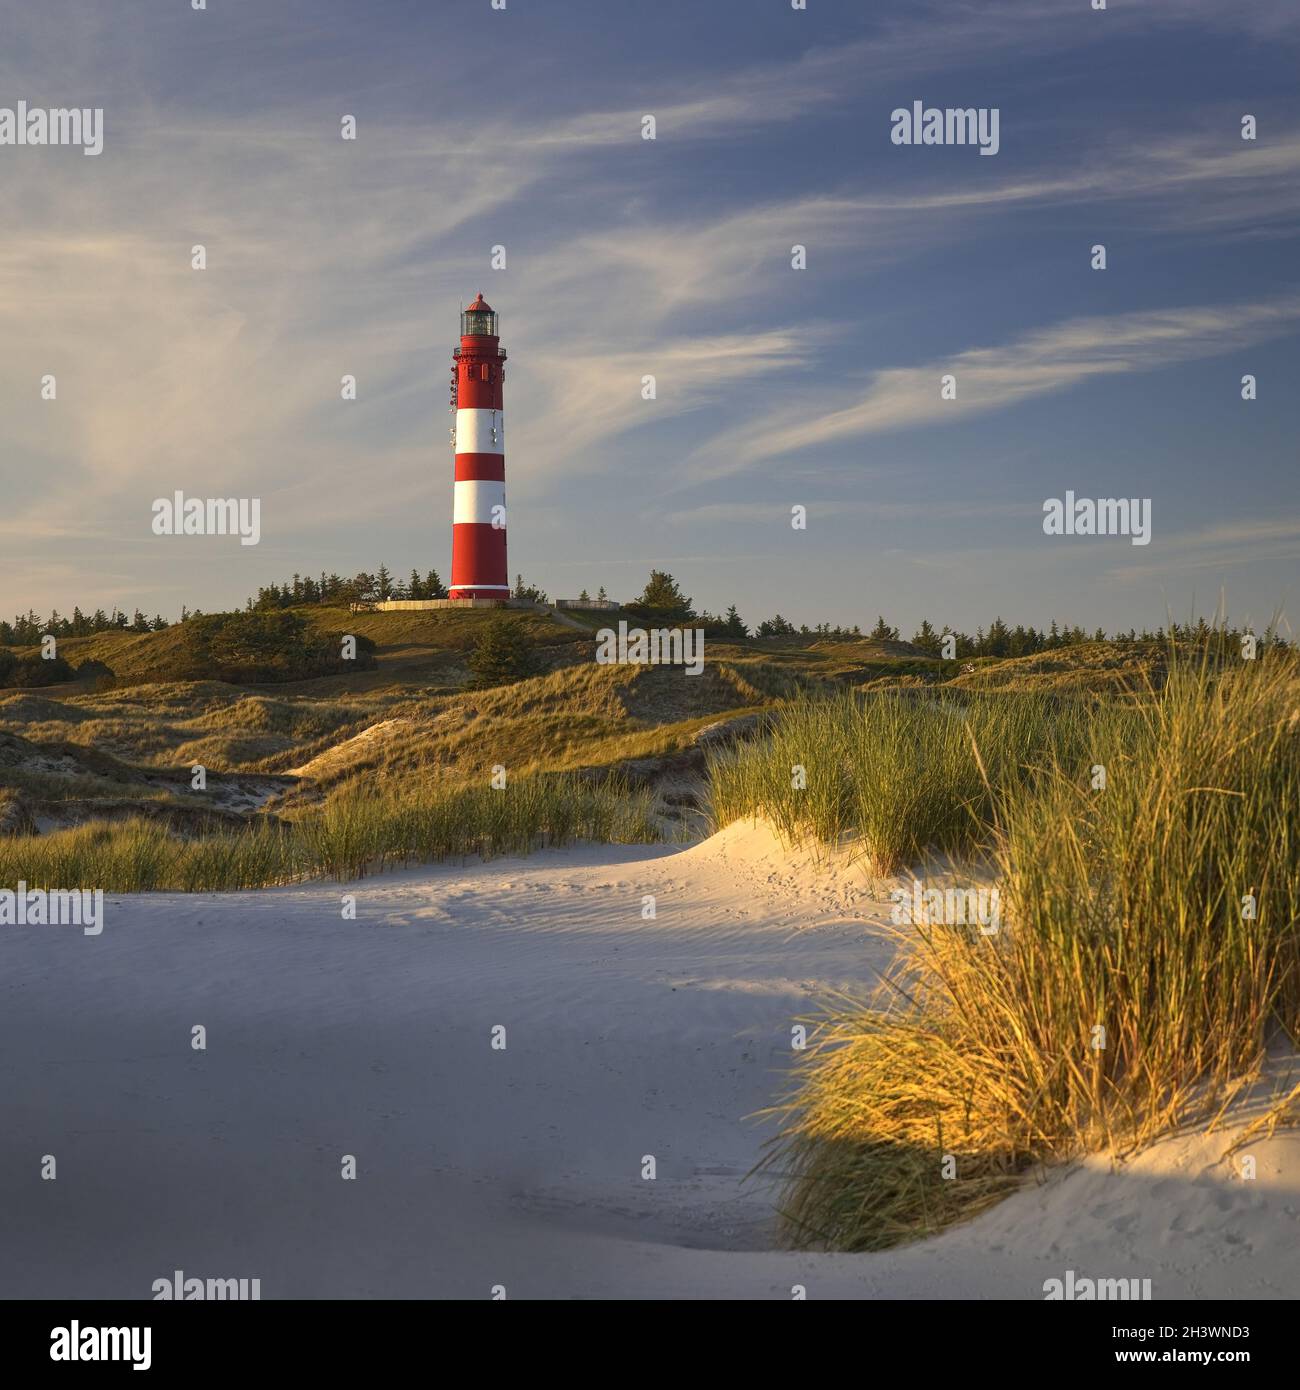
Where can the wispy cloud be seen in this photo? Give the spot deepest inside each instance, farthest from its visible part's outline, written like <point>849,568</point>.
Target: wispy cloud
<point>1225,546</point>
<point>992,378</point>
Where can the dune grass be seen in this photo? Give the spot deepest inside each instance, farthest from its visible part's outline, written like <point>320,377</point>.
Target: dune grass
<point>353,834</point>
<point>898,772</point>
<point>1149,952</point>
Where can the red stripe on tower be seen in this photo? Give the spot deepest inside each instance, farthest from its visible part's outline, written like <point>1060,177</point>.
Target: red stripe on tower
<point>478,530</point>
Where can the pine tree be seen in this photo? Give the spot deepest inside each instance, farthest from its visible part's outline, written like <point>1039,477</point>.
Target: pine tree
<point>664,598</point>
<point>528,591</point>
<point>503,654</point>
<point>733,625</point>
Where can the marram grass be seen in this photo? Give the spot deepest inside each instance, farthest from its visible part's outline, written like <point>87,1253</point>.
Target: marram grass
<point>899,773</point>
<point>1149,952</point>
<point>352,834</point>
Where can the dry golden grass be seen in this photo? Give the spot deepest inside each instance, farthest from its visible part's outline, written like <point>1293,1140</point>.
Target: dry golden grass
<point>897,771</point>
<point>1149,950</point>
<point>348,837</point>
<point>1107,668</point>
<point>172,725</point>
<point>580,717</point>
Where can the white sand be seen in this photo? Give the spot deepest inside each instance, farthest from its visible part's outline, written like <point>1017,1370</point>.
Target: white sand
<point>626,1037</point>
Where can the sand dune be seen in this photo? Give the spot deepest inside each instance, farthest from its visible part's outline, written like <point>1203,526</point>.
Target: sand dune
<point>626,1037</point>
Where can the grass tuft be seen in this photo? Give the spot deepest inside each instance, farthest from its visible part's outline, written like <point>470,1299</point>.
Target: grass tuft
<point>899,772</point>
<point>353,834</point>
<point>1148,955</point>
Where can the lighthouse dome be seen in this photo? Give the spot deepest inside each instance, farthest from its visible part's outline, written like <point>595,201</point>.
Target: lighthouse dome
<point>479,319</point>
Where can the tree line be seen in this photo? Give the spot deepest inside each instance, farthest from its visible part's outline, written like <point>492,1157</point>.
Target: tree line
<point>1000,640</point>
<point>361,588</point>
<point>662,602</point>
<point>27,629</point>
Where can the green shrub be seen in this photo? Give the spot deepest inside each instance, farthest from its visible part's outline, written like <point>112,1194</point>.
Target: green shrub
<point>32,672</point>
<point>260,647</point>
<point>504,653</point>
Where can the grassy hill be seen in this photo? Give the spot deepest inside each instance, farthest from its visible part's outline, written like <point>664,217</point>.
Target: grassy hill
<point>434,642</point>
<point>577,716</point>
<point>412,721</point>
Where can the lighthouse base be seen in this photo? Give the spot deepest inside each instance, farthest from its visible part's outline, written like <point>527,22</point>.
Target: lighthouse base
<point>402,605</point>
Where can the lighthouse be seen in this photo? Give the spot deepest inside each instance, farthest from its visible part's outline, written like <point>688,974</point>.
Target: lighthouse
<point>478,531</point>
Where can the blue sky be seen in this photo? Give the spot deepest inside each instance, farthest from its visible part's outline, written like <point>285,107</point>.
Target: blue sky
<point>627,257</point>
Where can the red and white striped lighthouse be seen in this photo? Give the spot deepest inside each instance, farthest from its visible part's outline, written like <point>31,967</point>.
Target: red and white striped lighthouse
<point>478,531</point>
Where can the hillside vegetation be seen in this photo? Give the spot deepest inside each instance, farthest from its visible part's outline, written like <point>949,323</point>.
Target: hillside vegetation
<point>202,753</point>
<point>575,713</point>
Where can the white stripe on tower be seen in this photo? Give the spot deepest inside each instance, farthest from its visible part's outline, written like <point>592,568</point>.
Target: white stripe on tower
<point>474,500</point>
<point>480,431</point>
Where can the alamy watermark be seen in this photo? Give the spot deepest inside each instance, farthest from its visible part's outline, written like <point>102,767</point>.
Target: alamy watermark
<point>947,907</point>
<point>1076,1288</point>
<point>179,515</point>
<point>56,907</point>
<point>1098,516</point>
<point>58,125</point>
<point>660,646</point>
<point>77,1343</point>
<point>192,1290</point>
<point>949,125</point>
